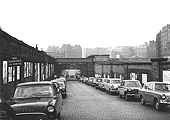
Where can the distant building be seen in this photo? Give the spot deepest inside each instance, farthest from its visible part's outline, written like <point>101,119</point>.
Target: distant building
<point>66,51</point>
<point>52,51</point>
<point>141,50</point>
<point>122,52</point>
<point>151,49</point>
<point>71,51</point>
<point>165,41</point>
<point>96,51</point>
<point>158,44</point>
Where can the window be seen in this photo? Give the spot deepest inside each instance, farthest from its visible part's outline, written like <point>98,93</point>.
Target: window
<point>13,71</point>
<point>150,86</point>
<point>18,72</point>
<point>122,83</point>
<point>4,72</point>
<point>9,74</point>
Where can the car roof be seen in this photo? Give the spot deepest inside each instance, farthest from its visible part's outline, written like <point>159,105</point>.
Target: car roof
<point>35,83</point>
<point>114,79</point>
<point>130,80</point>
<point>158,82</point>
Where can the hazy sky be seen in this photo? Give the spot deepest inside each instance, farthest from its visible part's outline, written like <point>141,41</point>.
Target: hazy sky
<point>89,23</point>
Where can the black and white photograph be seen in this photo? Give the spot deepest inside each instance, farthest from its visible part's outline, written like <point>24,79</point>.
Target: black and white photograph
<point>84,60</point>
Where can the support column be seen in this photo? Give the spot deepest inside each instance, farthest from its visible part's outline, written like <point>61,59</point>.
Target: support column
<point>156,69</point>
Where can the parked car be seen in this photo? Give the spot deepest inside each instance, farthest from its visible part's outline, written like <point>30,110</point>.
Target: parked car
<point>85,79</point>
<point>62,86</point>
<point>129,88</point>
<point>94,82</point>
<point>90,80</point>
<point>112,85</point>
<point>36,101</point>
<point>98,81</point>
<point>63,89</point>
<point>101,84</point>
<point>6,112</point>
<point>141,90</point>
<point>158,94</point>
<point>105,83</point>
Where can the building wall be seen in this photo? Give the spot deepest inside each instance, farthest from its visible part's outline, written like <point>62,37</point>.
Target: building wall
<point>96,51</point>
<point>165,41</point>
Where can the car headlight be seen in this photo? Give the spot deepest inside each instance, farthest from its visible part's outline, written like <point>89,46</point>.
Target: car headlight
<point>163,97</point>
<point>112,86</point>
<point>50,109</point>
<point>129,89</point>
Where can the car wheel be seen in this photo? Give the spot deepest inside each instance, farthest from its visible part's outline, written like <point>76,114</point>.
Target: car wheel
<point>119,95</point>
<point>59,116</point>
<point>157,105</point>
<point>110,92</point>
<point>126,97</point>
<point>142,101</point>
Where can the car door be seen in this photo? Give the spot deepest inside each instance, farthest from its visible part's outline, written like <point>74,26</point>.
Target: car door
<point>58,98</point>
<point>121,88</point>
<point>104,83</point>
<point>148,94</point>
<point>107,85</point>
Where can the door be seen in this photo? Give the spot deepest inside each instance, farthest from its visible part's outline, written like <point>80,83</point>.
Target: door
<point>148,94</point>
<point>121,88</point>
<point>58,98</point>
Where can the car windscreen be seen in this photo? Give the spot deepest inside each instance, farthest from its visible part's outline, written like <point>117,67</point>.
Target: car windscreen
<point>115,81</point>
<point>133,84</point>
<point>33,91</point>
<point>162,87</point>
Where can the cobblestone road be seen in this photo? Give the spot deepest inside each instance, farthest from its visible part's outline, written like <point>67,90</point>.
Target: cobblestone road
<point>84,102</point>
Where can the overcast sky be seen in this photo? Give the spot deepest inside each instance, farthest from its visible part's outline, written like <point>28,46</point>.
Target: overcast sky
<point>89,23</point>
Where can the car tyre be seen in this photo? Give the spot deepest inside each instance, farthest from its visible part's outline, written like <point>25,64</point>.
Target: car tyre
<point>110,92</point>
<point>59,116</point>
<point>142,101</point>
<point>120,95</point>
<point>157,105</point>
<point>126,97</point>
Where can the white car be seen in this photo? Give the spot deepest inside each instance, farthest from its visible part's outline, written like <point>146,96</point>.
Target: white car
<point>112,84</point>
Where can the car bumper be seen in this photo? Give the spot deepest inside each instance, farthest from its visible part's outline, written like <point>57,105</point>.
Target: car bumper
<point>133,95</point>
<point>165,102</point>
<point>32,116</point>
<point>114,90</point>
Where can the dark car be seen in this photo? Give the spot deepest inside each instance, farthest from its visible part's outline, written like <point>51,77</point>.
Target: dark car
<point>62,87</point>
<point>129,88</point>
<point>6,112</point>
<point>36,101</point>
<point>157,94</point>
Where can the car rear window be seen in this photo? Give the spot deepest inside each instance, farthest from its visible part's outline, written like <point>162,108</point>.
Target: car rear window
<point>115,81</point>
<point>133,84</point>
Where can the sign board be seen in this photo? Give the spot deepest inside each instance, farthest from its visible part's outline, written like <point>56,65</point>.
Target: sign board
<point>15,61</point>
<point>144,78</point>
<point>166,76</point>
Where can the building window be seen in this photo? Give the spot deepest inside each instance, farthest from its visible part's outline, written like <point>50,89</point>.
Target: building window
<point>18,72</point>
<point>4,72</point>
<point>9,74</point>
<point>13,71</point>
